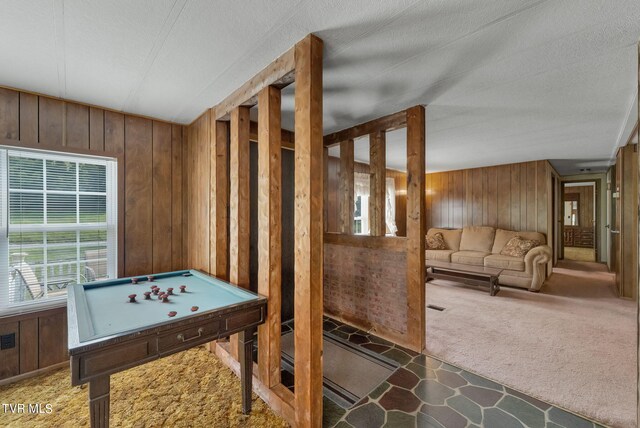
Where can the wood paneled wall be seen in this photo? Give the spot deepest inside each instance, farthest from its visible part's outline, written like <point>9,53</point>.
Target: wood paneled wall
<point>39,343</point>
<point>150,158</point>
<point>625,244</point>
<point>149,154</point>
<point>197,193</point>
<point>514,196</point>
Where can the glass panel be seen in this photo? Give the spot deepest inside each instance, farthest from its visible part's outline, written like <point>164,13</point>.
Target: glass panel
<point>61,175</point>
<point>93,178</point>
<point>26,208</point>
<point>93,236</point>
<point>25,173</point>
<point>61,208</point>
<point>93,209</point>
<point>61,237</point>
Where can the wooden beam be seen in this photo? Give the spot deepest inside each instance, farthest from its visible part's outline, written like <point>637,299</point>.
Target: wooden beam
<point>394,243</point>
<point>219,197</point>
<point>346,187</point>
<point>308,305</point>
<point>239,216</point>
<point>279,74</point>
<point>269,232</point>
<point>377,186</point>
<point>386,123</point>
<point>287,137</point>
<point>415,227</point>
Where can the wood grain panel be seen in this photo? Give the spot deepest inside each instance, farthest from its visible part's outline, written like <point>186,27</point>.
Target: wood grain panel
<point>29,345</point>
<point>176,198</point>
<point>161,191</point>
<point>531,210</point>
<point>77,126</point>
<point>219,229</point>
<point>503,197</point>
<point>308,232</point>
<point>113,132</point>
<point>10,357</point>
<point>416,141</point>
<point>96,129</point>
<point>377,185</point>
<point>346,187</point>
<point>51,121</point>
<point>491,190</point>
<point>138,196</point>
<point>197,169</point>
<point>269,232</point>
<point>52,345</point>
<point>9,114</point>
<point>28,117</point>
<point>239,220</point>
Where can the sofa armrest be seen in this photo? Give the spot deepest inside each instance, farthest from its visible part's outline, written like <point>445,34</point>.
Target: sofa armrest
<point>535,262</point>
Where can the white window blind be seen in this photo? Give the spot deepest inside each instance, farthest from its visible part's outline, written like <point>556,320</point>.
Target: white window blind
<point>59,224</point>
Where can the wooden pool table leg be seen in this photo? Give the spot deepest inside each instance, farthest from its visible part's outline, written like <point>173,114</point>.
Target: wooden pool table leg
<point>245,342</point>
<point>99,402</point>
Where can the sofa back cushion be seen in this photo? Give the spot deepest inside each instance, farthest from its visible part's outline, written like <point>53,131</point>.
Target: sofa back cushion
<point>451,237</point>
<point>477,238</point>
<point>503,236</point>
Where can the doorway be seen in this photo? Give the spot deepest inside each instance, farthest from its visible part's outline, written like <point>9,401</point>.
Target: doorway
<point>579,220</point>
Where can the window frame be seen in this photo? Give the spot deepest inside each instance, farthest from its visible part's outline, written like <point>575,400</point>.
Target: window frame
<point>113,223</point>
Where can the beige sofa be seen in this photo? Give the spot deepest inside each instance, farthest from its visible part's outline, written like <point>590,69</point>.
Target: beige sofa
<point>481,246</point>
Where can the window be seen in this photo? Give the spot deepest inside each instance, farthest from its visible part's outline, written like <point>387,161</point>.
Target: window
<point>59,224</point>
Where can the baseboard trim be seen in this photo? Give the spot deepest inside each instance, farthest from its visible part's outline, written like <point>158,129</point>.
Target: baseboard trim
<point>33,373</point>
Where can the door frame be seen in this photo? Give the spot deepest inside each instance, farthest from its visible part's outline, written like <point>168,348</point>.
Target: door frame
<point>597,207</point>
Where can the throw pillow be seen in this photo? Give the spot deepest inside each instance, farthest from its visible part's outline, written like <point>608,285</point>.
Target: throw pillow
<point>436,242</point>
<point>518,247</point>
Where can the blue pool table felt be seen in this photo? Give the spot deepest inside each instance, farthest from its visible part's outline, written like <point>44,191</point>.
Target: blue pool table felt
<point>103,307</point>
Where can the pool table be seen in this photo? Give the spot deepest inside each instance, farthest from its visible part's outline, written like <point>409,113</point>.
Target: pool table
<point>121,323</point>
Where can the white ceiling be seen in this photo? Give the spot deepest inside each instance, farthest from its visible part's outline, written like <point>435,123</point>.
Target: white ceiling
<point>504,80</point>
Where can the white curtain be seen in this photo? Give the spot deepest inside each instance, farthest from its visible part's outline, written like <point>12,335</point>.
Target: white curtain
<point>390,212</point>
<point>361,184</point>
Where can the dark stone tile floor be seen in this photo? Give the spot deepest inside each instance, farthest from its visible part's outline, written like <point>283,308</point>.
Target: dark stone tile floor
<point>426,392</point>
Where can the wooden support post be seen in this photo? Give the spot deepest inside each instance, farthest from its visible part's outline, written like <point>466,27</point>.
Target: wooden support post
<point>239,223</point>
<point>308,305</point>
<point>219,199</point>
<point>269,232</point>
<point>325,187</point>
<point>345,187</point>
<point>416,227</point>
<point>377,185</point>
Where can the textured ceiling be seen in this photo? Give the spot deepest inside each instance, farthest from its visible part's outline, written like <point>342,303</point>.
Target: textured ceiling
<point>504,80</point>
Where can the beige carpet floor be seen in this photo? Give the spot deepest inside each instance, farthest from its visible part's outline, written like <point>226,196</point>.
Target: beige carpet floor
<point>573,344</point>
<point>188,389</point>
<point>580,254</point>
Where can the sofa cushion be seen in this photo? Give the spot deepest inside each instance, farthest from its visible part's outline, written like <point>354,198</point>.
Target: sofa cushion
<point>435,241</point>
<point>477,238</point>
<point>475,258</point>
<point>439,255</point>
<point>451,237</point>
<point>504,262</point>
<point>503,236</point>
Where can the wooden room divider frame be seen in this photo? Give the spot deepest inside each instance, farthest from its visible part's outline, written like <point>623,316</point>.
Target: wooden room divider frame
<point>413,119</point>
<point>230,133</point>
